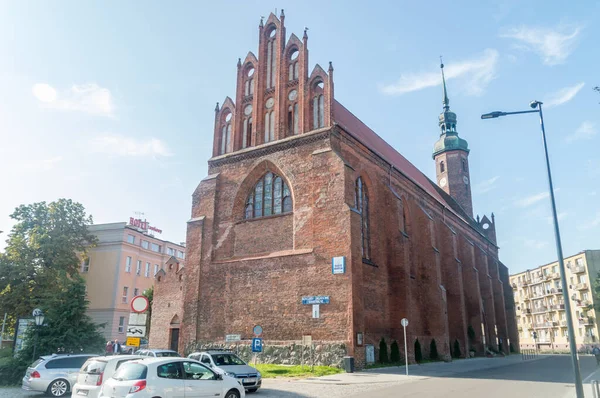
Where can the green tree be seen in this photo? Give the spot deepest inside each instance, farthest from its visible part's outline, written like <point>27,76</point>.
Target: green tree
<point>433,353</point>
<point>394,352</point>
<point>46,244</point>
<point>456,351</point>
<point>149,294</point>
<point>383,351</point>
<point>418,353</point>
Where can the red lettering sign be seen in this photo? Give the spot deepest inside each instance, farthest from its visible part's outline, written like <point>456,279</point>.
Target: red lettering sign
<point>143,225</point>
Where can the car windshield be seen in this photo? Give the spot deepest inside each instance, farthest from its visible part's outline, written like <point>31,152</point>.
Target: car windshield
<point>227,359</point>
<point>93,367</point>
<point>167,354</point>
<point>131,371</point>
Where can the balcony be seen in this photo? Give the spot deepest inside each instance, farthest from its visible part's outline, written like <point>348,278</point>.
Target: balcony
<point>581,286</point>
<point>541,308</point>
<point>514,285</point>
<point>583,303</point>
<point>526,298</point>
<point>528,311</point>
<point>559,291</point>
<point>586,321</point>
<point>542,325</point>
<point>555,275</point>
<point>578,269</point>
<point>524,283</point>
<point>558,307</point>
<point>563,323</point>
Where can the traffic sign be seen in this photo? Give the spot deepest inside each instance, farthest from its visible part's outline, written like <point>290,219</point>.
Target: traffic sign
<point>139,304</point>
<point>256,344</point>
<point>338,265</point>
<point>133,341</point>
<point>230,338</point>
<point>257,330</point>
<point>136,331</point>
<point>404,322</point>
<point>137,319</point>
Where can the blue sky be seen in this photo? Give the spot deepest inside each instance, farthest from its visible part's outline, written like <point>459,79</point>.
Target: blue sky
<point>112,103</point>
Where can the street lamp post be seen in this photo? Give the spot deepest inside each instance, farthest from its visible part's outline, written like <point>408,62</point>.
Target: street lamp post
<point>38,316</point>
<point>537,108</point>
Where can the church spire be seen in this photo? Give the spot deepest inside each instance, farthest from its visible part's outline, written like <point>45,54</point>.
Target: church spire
<point>446,101</point>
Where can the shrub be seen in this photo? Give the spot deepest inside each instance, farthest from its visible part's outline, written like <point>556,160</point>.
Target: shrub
<point>433,353</point>
<point>395,352</point>
<point>12,370</point>
<point>418,353</point>
<point>456,349</point>
<point>383,351</point>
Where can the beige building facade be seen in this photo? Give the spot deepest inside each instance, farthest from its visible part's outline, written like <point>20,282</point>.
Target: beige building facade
<point>120,267</point>
<point>540,307</point>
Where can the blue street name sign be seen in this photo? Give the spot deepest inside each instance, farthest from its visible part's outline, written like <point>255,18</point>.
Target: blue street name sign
<point>315,300</point>
<point>256,345</point>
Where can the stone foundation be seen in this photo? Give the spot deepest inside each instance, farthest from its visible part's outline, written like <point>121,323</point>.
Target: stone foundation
<point>281,352</point>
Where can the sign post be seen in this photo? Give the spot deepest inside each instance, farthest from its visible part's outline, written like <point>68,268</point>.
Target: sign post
<point>404,323</point>
<point>256,341</point>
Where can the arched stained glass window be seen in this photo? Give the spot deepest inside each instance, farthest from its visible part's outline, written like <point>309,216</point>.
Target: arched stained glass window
<point>362,205</point>
<point>270,196</point>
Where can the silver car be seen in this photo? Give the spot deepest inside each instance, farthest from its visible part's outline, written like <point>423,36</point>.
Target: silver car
<point>95,372</point>
<point>54,374</point>
<point>229,364</point>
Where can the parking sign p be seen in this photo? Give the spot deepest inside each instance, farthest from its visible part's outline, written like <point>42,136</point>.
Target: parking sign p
<point>256,344</point>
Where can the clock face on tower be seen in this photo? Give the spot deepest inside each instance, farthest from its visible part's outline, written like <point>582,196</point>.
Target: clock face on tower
<point>443,182</point>
<point>466,180</point>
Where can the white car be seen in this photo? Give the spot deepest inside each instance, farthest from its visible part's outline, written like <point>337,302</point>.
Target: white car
<point>95,371</point>
<point>169,378</point>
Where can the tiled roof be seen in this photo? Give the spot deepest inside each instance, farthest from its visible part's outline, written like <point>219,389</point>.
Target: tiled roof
<point>355,127</point>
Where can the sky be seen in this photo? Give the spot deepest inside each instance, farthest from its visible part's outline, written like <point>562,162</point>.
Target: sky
<point>112,103</point>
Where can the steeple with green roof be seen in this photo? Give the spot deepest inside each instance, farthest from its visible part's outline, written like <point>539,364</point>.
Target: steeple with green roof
<point>451,155</point>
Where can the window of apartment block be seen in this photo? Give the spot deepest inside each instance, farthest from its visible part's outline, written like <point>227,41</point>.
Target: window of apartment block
<point>128,264</point>
<point>582,279</point>
<point>121,324</point>
<point>147,270</point>
<point>555,269</point>
<point>585,296</point>
<point>131,239</point>
<point>145,244</point>
<point>138,268</point>
<point>155,268</point>
<point>579,261</point>
<point>155,248</point>
<point>136,291</point>
<point>171,251</point>
<point>125,291</point>
<point>180,254</point>
<point>85,265</point>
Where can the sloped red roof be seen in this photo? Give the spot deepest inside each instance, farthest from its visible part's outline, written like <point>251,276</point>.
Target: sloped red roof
<point>355,127</point>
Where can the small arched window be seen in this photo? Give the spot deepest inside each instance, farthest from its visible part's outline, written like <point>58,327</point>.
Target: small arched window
<point>270,196</point>
<point>226,135</point>
<point>442,167</point>
<point>362,205</point>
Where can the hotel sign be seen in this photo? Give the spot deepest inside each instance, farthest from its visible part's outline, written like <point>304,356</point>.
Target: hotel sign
<point>143,225</point>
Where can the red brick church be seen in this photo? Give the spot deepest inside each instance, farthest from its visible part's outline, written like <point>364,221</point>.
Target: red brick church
<point>296,180</point>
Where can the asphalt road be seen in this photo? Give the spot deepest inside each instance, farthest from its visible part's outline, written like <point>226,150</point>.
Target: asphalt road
<point>549,377</point>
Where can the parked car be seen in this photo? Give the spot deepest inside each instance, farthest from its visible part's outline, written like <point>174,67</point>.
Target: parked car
<point>157,353</point>
<point>54,374</point>
<point>168,378</point>
<point>227,363</point>
<point>95,371</point>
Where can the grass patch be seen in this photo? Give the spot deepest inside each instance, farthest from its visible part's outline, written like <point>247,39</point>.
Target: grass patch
<point>271,370</point>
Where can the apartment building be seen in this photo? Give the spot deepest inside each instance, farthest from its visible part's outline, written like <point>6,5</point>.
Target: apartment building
<point>540,307</point>
<point>120,267</point>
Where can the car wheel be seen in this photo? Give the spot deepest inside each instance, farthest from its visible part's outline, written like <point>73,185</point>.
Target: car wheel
<point>232,394</point>
<point>252,389</point>
<point>58,388</point>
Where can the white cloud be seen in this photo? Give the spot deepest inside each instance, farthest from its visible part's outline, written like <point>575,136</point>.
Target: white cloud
<point>487,185</point>
<point>586,131</point>
<point>563,95</point>
<point>560,216</point>
<point>530,200</point>
<point>127,146</point>
<point>474,75</point>
<point>42,164</point>
<point>553,45</point>
<point>593,223</point>
<point>535,243</point>
<point>88,98</point>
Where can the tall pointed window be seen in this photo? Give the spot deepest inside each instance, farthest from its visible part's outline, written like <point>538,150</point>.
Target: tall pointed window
<point>226,135</point>
<point>318,111</point>
<point>270,196</point>
<point>271,58</point>
<point>269,120</point>
<point>293,67</point>
<point>362,205</point>
<point>247,127</point>
<point>249,84</point>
